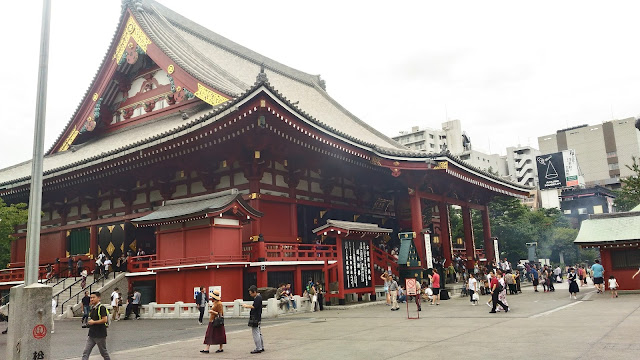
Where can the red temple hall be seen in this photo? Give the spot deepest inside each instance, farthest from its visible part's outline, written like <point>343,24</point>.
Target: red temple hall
<point>227,168</point>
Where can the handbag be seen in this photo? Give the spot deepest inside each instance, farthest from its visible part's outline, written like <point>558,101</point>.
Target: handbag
<point>218,321</point>
<point>475,297</point>
<point>253,322</point>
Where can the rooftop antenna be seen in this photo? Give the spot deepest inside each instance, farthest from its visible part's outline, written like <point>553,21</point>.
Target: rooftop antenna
<point>611,111</point>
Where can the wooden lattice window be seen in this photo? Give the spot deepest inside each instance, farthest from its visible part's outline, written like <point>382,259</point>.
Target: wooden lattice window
<point>625,259</point>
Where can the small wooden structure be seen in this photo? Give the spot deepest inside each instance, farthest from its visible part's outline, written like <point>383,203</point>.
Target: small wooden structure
<point>354,271</point>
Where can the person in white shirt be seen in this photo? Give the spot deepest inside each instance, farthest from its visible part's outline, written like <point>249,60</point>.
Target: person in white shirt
<point>613,286</point>
<point>107,263</point>
<point>115,305</point>
<point>472,287</point>
<point>54,305</point>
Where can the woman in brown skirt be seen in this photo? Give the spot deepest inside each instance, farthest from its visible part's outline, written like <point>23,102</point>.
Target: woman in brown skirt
<point>215,335</point>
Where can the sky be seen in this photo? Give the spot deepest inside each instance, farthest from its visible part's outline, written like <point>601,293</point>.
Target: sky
<point>510,71</point>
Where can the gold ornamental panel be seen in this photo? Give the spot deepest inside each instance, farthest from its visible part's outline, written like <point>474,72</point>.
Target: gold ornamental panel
<point>209,96</point>
<point>131,30</point>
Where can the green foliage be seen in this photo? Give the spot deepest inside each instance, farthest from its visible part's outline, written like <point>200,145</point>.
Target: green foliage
<point>514,225</point>
<point>10,217</point>
<point>628,196</point>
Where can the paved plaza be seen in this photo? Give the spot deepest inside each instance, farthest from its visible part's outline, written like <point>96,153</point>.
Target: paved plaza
<point>539,325</point>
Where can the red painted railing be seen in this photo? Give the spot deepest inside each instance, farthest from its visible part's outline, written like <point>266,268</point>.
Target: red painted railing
<point>17,274</point>
<point>139,263</point>
<point>263,251</point>
<point>382,260</point>
<point>198,260</point>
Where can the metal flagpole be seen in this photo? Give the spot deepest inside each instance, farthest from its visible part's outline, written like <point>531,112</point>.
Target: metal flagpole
<point>32,252</point>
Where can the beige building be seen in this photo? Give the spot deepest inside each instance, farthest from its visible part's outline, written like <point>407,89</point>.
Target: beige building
<point>602,150</point>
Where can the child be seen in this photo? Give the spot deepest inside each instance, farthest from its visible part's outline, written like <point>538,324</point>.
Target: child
<point>613,286</point>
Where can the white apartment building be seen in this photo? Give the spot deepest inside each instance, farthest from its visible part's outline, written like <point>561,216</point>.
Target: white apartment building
<point>602,150</point>
<point>521,165</point>
<point>452,138</point>
<point>432,140</point>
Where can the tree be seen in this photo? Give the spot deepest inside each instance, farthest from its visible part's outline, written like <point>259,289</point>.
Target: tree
<point>628,196</point>
<point>10,217</point>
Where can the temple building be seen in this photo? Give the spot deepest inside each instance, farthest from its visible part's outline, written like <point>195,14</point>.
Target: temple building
<point>230,169</point>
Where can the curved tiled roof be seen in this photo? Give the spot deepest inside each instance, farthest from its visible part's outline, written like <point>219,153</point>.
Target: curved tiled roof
<point>228,68</point>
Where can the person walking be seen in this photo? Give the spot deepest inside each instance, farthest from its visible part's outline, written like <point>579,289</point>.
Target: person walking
<point>534,276</point>
<point>502,295</point>
<point>115,297</point>
<point>79,267</point>
<point>215,334</point>
<point>54,305</point>
<point>418,295</point>
<point>255,317</point>
<point>598,276</point>
<point>97,328</point>
<point>574,289</point>
<point>320,294</point>
<point>86,308</point>
<point>472,288</point>
<point>386,278</point>
<point>84,275</point>
<point>107,264</point>
<point>435,286</point>
<point>518,278</point>
<point>496,288</point>
<point>613,286</point>
<point>70,265</point>
<point>201,301</point>
<point>313,295</point>
<point>136,303</point>
<point>393,291</point>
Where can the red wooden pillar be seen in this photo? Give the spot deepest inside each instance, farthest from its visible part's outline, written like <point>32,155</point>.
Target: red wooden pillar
<point>262,278</point>
<point>416,224</point>
<point>468,236</point>
<point>489,251</point>
<point>93,241</point>
<point>445,232</point>
<point>340,269</point>
<point>293,220</point>
<point>297,281</point>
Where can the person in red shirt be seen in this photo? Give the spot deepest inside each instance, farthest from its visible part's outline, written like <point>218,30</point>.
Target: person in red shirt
<point>435,286</point>
<point>495,291</point>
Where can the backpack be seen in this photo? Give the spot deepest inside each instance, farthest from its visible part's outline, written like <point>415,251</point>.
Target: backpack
<point>107,310</point>
<point>310,289</point>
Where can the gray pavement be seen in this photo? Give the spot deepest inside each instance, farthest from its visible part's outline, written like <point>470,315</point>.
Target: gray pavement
<point>539,325</point>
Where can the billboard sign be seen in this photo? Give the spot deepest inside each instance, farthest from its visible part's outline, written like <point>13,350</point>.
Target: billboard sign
<point>557,170</point>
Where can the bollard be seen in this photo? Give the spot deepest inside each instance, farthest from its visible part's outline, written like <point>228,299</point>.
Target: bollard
<point>237,307</point>
<point>30,323</point>
<point>272,307</point>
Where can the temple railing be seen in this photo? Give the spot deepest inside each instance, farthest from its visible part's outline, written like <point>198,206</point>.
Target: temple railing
<point>17,274</point>
<point>139,263</point>
<point>264,251</point>
<point>197,260</point>
<point>382,260</point>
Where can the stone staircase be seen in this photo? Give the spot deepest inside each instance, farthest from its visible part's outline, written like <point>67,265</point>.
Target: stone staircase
<point>73,307</point>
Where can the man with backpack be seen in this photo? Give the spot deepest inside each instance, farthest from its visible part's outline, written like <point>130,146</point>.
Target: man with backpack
<point>98,323</point>
<point>313,297</point>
